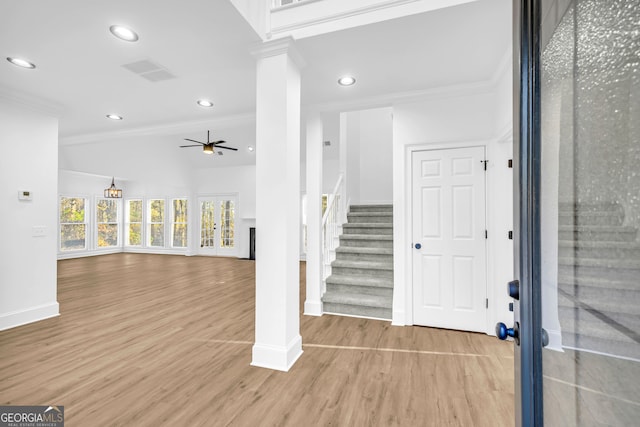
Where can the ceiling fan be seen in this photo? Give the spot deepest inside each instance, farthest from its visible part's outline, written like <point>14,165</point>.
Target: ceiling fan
<point>209,146</point>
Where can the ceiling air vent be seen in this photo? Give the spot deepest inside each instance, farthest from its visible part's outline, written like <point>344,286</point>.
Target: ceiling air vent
<point>149,71</point>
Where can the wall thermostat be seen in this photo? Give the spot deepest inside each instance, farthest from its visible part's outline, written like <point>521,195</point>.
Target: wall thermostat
<point>25,195</point>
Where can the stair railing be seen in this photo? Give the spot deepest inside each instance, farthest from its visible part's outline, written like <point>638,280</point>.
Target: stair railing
<point>331,222</point>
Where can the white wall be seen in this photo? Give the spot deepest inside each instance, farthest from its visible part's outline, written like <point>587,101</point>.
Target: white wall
<point>376,165</point>
<point>369,165</point>
<point>462,119</point>
<point>351,124</point>
<point>28,269</point>
<point>152,165</point>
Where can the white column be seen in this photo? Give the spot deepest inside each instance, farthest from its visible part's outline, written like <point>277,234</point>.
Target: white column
<point>278,343</point>
<point>313,304</point>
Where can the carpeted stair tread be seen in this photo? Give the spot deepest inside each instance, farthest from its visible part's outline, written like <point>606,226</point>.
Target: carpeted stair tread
<point>618,347</point>
<point>366,237</point>
<point>360,250</point>
<point>598,282</point>
<point>371,208</point>
<point>600,262</point>
<point>603,301</point>
<point>357,299</point>
<point>368,225</point>
<point>378,282</point>
<point>368,265</point>
<point>598,228</point>
<point>581,321</point>
<point>597,244</point>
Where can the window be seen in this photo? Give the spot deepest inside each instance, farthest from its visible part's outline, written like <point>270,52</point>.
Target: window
<point>107,222</point>
<point>134,223</point>
<point>73,225</point>
<point>227,224</point>
<point>155,221</point>
<point>179,224</point>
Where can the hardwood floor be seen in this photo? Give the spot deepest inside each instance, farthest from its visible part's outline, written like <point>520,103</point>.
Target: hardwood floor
<point>155,340</point>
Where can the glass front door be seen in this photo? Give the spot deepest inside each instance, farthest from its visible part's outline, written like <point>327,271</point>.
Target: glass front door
<point>217,225</point>
<point>590,214</point>
<point>577,310</point>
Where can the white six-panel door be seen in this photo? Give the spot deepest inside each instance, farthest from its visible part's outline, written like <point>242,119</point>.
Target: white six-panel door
<point>449,254</point>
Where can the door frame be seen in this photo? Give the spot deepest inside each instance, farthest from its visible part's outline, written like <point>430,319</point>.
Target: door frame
<point>238,234</point>
<point>526,188</point>
<point>410,211</point>
<point>403,264</point>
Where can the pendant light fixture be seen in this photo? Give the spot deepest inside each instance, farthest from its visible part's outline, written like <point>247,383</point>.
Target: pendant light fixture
<point>113,192</point>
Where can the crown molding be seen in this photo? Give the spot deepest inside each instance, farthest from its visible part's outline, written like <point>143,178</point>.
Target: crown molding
<point>165,129</point>
<point>31,102</point>
<point>284,45</point>
<point>386,100</point>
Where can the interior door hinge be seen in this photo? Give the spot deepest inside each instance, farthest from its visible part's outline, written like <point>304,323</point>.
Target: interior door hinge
<point>486,234</point>
<point>485,163</point>
<point>510,236</point>
<point>510,163</point>
<point>487,302</point>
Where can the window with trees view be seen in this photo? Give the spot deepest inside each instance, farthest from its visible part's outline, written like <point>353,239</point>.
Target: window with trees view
<point>133,215</point>
<point>179,224</point>
<point>107,222</point>
<point>155,221</point>
<point>73,225</point>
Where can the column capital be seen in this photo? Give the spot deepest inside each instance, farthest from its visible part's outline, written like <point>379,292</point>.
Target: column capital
<point>285,45</point>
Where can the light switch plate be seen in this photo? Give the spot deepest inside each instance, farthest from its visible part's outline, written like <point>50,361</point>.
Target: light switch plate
<point>25,195</point>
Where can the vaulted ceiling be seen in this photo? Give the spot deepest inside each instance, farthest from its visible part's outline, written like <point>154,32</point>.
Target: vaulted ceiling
<point>204,45</point>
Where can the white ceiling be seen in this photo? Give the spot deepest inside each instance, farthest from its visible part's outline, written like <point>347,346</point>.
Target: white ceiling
<point>206,45</point>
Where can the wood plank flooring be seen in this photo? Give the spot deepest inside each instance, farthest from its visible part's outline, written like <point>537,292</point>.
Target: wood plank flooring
<point>160,340</point>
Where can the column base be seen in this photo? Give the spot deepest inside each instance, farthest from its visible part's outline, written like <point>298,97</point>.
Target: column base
<point>277,357</point>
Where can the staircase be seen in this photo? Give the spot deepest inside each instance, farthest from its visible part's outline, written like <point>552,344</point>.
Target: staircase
<point>361,280</point>
<point>599,279</point>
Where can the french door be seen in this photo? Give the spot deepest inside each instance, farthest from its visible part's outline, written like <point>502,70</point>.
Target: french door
<point>217,225</point>
<point>576,325</point>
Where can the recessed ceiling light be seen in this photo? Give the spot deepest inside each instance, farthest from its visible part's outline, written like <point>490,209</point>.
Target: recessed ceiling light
<point>346,81</point>
<point>21,62</point>
<point>114,117</point>
<point>205,103</point>
<point>250,148</point>
<point>123,33</point>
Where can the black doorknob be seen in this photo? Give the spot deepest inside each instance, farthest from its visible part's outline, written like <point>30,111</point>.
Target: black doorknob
<point>513,288</point>
<point>502,332</point>
<point>417,246</point>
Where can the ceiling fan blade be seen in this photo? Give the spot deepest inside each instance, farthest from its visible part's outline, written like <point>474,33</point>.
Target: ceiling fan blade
<point>187,139</point>
<point>228,148</point>
<point>182,146</point>
<point>219,142</point>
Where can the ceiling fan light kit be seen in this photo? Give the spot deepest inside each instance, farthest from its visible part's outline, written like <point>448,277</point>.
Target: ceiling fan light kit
<point>209,146</point>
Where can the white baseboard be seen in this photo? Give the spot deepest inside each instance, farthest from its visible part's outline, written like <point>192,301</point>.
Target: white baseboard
<point>313,308</point>
<point>398,318</point>
<point>555,340</point>
<point>279,358</point>
<point>30,315</point>
<point>81,254</point>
